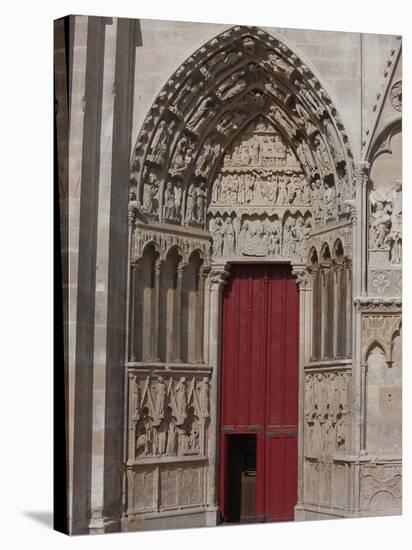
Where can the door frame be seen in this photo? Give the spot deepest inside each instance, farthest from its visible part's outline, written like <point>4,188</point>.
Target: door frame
<point>221,272</point>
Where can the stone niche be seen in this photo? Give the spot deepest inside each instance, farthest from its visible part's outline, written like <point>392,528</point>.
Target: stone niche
<point>384,398</point>
<point>385,216</point>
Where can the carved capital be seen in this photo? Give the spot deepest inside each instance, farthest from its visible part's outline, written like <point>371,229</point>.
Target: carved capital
<point>302,277</point>
<point>217,276</point>
<point>158,265</point>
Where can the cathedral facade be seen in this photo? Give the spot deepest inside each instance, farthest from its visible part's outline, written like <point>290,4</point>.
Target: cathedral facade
<point>231,250</point>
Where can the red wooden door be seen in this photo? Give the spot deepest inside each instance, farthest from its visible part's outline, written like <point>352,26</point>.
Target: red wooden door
<point>259,390</point>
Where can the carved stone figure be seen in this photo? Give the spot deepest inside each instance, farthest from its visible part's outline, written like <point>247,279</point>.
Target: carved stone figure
<point>203,395</point>
<point>181,399</point>
<point>216,189</point>
<point>330,200</point>
<point>168,201</point>
<point>151,194</point>
<point>190,203</point>
<point>160,142</point>
<point>280,65</point>
<point>381,219</point>
<point>317,201</point>
<point>201,115</point>
<point>216,231</point>
<point>229,238</point>
<point>322,155</point>
<point>395,237</point>
<point>177,192</point>
<point>231,86</point>
<point>282,191</point>
<point>200,204</point>
<point>160,397</point>
<point>136,398</point>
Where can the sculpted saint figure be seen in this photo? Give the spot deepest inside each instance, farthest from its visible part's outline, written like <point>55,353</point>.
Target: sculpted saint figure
<point>330,200</point>
<point>216,230</point>
<point>229,238</point>
<point>181,399</point>
<point>200,203</point>
<point>177,200</point>
<point>381,219</point>
<point>203,395</point>
<point>136,398</point>
<point>200,114</point>
<point>169,201</point>
<point>282,191</point>
<point>190,203</point>
<point>216,189</point>
<point>160,398</point>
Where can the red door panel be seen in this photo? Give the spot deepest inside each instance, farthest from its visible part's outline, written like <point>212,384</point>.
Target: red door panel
<point>259,392</point>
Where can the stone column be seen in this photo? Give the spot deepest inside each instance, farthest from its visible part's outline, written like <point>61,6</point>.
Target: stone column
<point>325,273</point>
<point>200,308</point>
<point>304,282</point>
<point>77,515</point>
<point>364,376</point>
<point>98,520</point>
<point>349,307</point>
<point>156,324</point>
<point>361,179</point>
<point>215,282</point>
<point>177,313</point>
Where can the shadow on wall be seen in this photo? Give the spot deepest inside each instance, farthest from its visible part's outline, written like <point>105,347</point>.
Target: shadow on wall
<point>43,518</point>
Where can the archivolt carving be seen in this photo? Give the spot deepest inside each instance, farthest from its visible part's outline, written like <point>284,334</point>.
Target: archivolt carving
<point>327,413</point>
<point>169,416</point>
<point>243,124</point>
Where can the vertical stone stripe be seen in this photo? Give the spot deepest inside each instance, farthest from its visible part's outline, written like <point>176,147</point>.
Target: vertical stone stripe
<point>75,147</point>
<point>102,275</point>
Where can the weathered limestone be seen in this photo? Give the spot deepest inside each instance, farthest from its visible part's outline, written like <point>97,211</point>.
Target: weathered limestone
<point>252,151</point>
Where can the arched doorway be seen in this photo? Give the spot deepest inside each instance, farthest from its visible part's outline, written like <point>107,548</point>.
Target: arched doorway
<point>242,159</point>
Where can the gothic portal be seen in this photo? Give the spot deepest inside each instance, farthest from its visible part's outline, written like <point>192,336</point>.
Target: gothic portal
<point>256,289</point>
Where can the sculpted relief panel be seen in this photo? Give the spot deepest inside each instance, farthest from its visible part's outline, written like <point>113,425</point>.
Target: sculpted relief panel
<point>327,413</point>
<point>168,417</point>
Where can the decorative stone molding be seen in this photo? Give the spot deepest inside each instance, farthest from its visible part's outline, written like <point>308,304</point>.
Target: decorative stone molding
<point>379,329</point>
<point>381,487</point>
<point>396,95</point>
<point>382,305</point>
<point>330,237</point>
<point>385,282</point>
<point>164,238</point>
<point>381,95</point>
